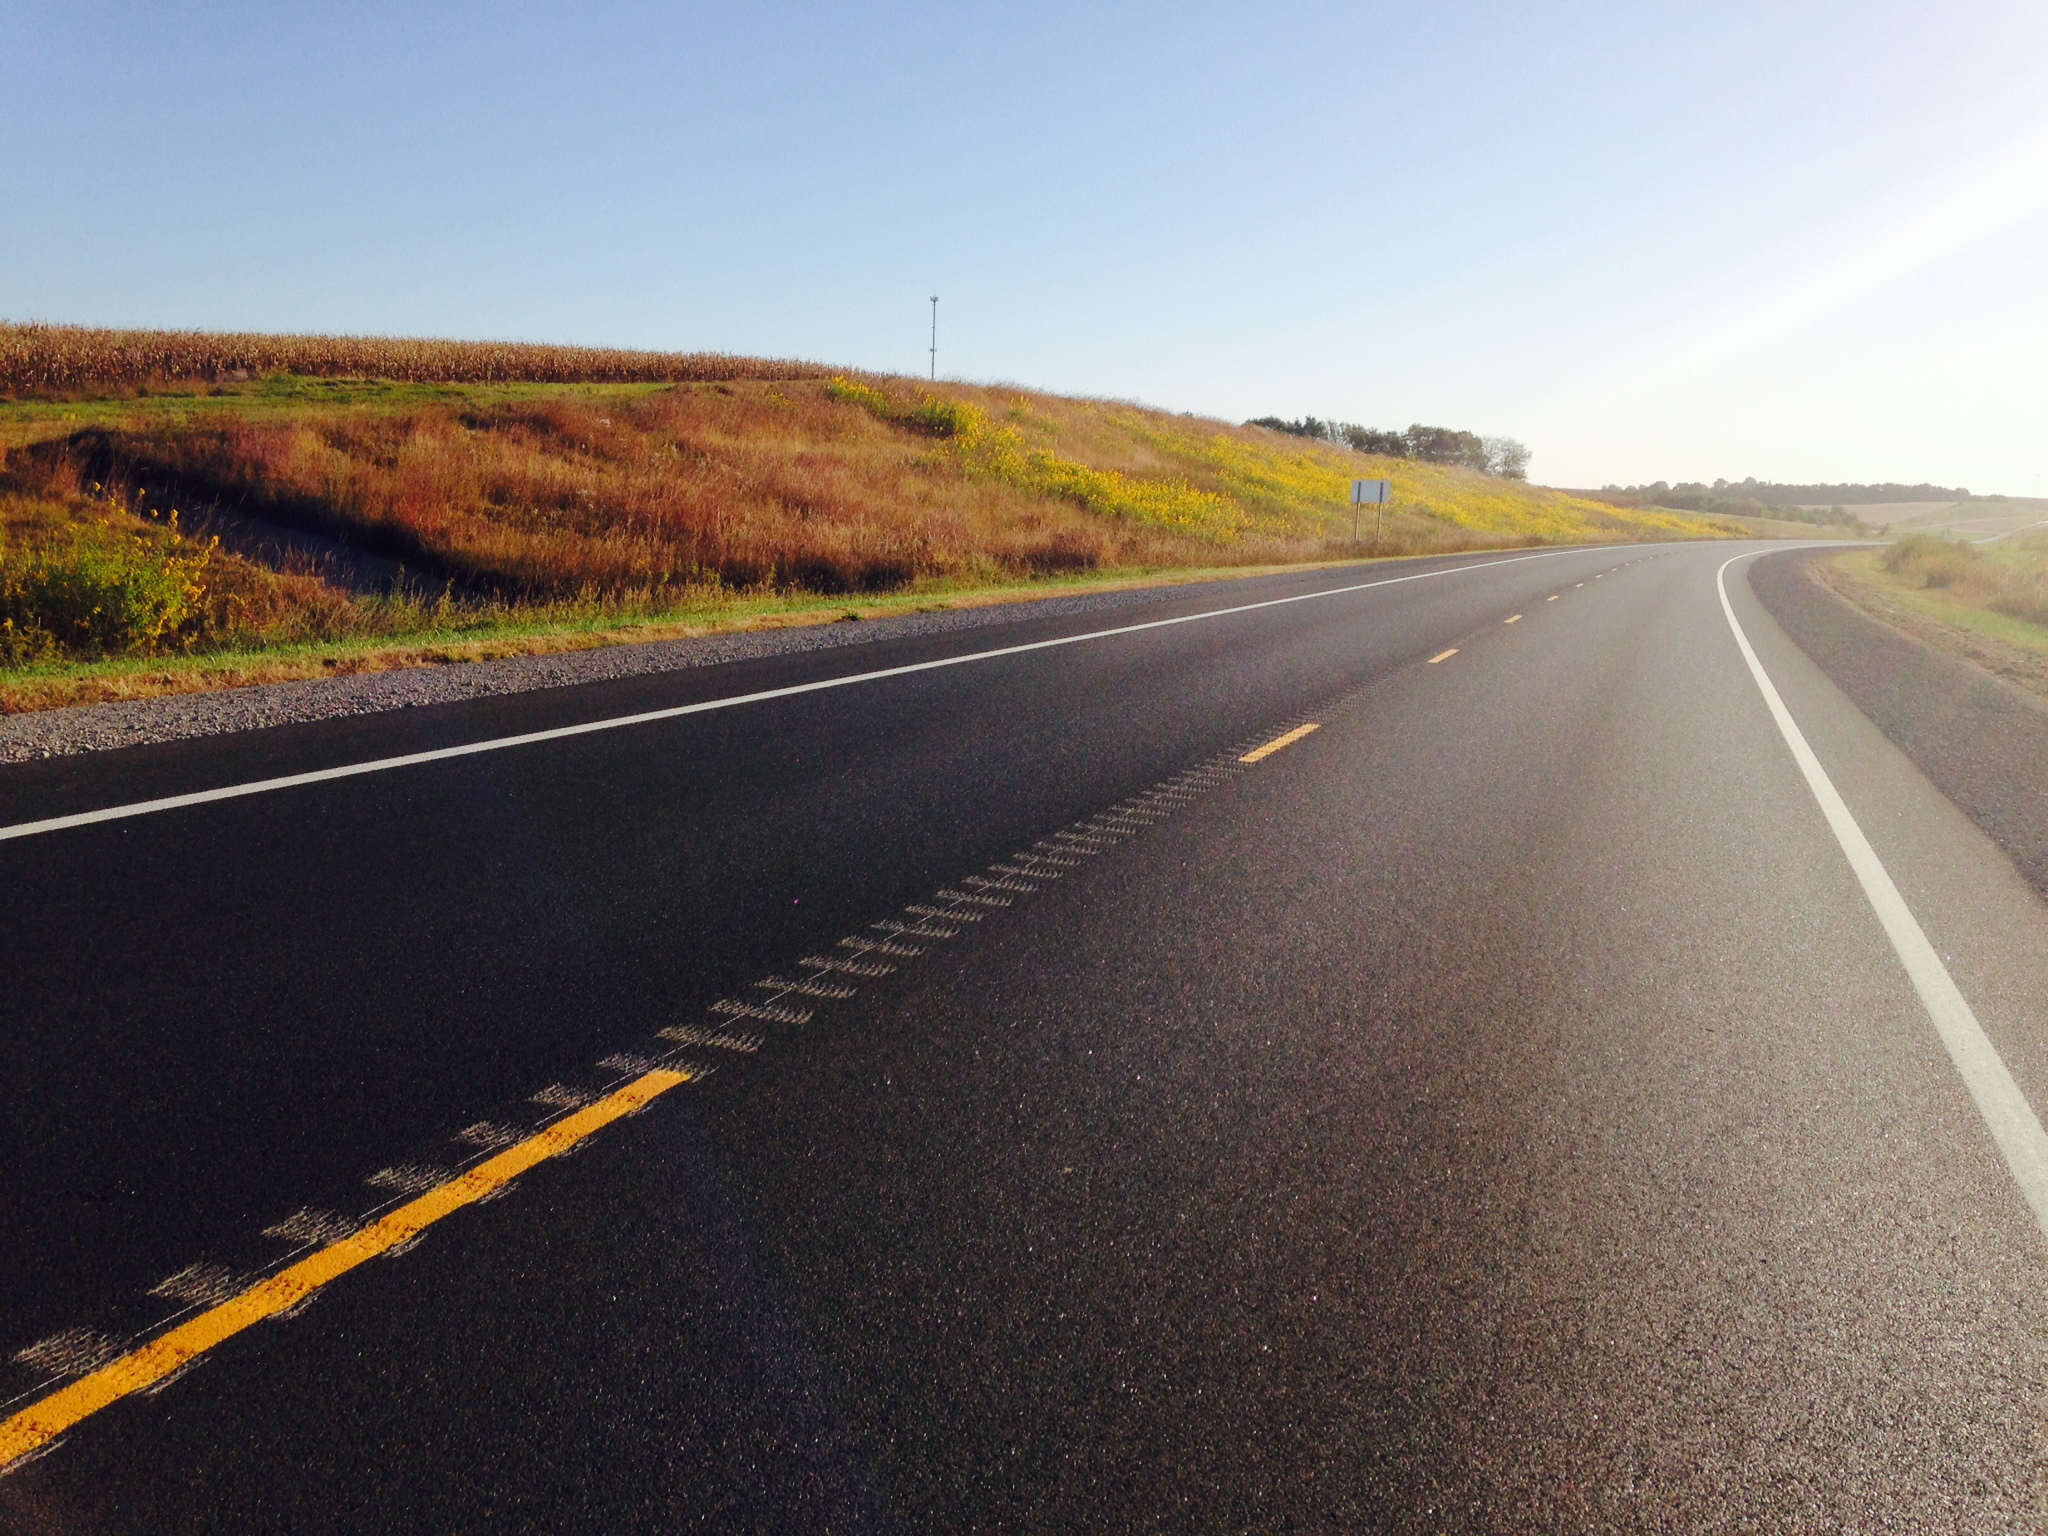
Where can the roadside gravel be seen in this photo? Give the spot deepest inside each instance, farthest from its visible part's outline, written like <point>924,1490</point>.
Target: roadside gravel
<point>129,723</point>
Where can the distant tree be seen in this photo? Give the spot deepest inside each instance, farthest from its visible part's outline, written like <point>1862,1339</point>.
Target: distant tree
<point>1507,458</point>
<point>1443,445</point>
<point>1367,440</point>
<point>1694,495</point>
<point>1308,426</point>
<point>1433,445</point>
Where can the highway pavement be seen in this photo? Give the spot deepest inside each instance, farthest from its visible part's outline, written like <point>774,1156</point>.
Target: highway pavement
<point>1404,1047</point>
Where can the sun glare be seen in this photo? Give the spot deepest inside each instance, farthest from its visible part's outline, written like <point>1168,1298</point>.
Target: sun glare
<point>2000,193</point>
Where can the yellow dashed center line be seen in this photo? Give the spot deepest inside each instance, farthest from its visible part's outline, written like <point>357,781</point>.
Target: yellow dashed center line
<point>1552,598</point>
<point>1513,618</point>
<point>1276,744</point>
<point>1443,656</point>
<point>41,1422</point>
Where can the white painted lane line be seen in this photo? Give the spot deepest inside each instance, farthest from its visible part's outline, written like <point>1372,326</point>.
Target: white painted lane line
<point>2011,1119</point>
<point>620,722</point>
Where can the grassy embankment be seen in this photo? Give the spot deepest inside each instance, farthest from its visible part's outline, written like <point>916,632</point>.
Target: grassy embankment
<point>1988,602</point>
<point>551,498</point>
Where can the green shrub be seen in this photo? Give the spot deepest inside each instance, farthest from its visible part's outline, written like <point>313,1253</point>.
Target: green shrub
<point>2024,595</point>
<point>100,592</point>
<point>933,416</point>
<point>1928,561</point>
<point>941,418</point>
<point>853,392</point>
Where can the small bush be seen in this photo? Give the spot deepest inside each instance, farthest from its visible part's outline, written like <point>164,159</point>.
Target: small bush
<point>2024,596</point>
<point>2014,582</point>
<point>101,592</point>
<point>942,418</point>
<point>855,393</point>
<point>1928,561</point>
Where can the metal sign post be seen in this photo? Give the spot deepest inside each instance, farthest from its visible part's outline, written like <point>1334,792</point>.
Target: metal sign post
<point>1378,493</point>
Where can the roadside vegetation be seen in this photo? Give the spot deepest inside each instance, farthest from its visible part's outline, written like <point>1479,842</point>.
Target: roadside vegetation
<point>1986,601</point>
<point>180,510</point>
<point>2008,577</point>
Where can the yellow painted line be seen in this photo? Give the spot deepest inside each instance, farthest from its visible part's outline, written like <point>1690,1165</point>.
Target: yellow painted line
<point>42,1421</point>
<point>1513,618</point>
<point>1443,656</point>
<point>1578,583</point>
<point>1276,744</point>
<point>1552,598</point>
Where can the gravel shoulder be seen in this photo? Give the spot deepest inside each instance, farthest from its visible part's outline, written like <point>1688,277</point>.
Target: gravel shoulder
<point>139,722</point>
<point>1981,738</point>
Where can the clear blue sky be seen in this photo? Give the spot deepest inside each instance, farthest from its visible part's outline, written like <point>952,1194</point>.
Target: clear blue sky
<point>1789,240</point>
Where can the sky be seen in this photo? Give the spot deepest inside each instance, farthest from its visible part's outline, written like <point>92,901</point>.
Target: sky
<point>1798,241</point>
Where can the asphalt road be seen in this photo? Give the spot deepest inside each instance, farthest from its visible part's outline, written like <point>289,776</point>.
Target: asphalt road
<point>1499,1108</point>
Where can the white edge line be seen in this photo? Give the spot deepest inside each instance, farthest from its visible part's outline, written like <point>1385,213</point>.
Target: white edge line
<point>619,722</point>
<point>2011,1119</point>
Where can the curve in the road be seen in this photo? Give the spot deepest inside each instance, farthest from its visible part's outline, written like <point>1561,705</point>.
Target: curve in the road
<point>2008,1115</point>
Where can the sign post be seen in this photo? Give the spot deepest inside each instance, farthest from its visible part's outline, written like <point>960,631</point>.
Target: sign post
<point>1376,492</point>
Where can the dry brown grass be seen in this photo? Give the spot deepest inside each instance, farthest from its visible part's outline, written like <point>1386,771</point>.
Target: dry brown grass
<point>62,359</point>
<point>739,486</point>
<point>2010,578</point>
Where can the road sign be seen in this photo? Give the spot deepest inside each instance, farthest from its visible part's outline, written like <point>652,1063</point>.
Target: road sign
<point>1370,493</point>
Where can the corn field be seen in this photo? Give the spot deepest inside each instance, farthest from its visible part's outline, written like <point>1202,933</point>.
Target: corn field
<point>58,359</point>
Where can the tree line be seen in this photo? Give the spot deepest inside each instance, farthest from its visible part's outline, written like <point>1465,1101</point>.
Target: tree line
<point>1501,456</point>
<point>1698,496</point>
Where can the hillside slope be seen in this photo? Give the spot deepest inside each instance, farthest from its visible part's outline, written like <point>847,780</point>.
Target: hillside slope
<point>228,516</point>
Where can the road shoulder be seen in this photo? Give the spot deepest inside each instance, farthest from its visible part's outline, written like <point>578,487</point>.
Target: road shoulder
<point>176,717</point>
<point>1980,739</point>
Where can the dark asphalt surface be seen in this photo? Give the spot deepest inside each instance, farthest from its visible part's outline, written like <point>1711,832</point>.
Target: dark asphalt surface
<point>1499,1110</point>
